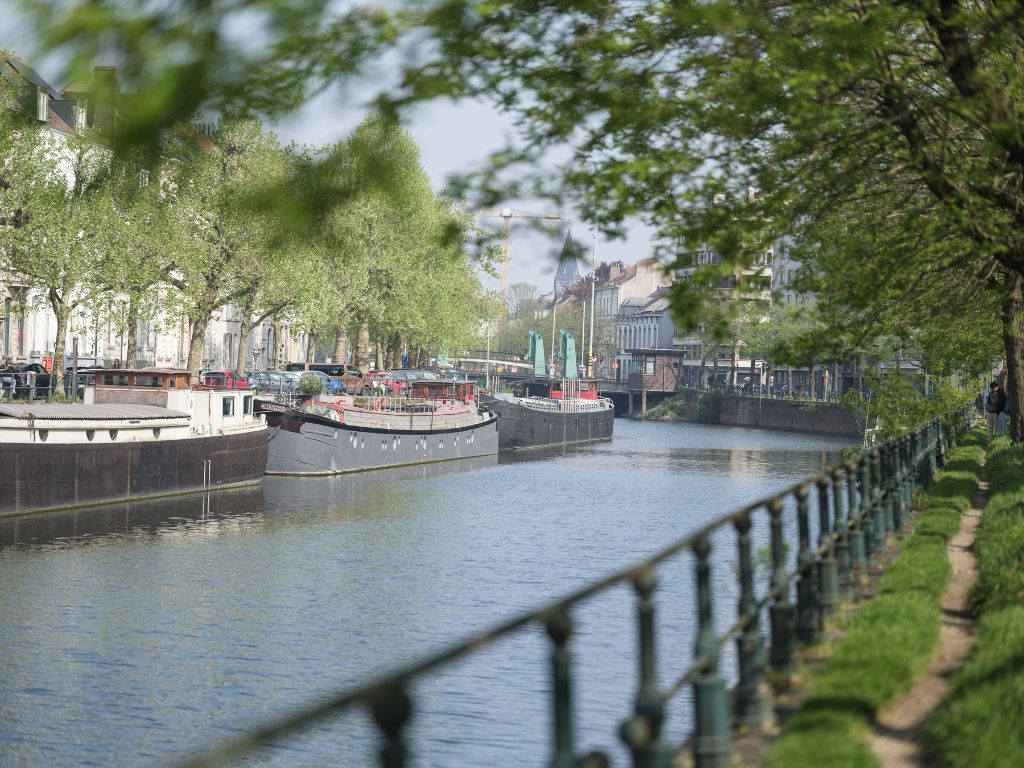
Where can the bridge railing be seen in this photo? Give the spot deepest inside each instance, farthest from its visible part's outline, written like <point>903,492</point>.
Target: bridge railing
<point>843,519</point>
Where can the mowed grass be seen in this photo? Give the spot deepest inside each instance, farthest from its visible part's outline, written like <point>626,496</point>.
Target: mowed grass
<point>891,638</point>
<point>981,722</point>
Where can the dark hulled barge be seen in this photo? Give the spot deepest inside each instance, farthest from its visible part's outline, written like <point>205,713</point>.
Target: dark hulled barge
<point>139,434</point>
<point>566,412</point>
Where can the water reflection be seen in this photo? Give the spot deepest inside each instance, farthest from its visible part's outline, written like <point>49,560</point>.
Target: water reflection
<point>228,511</point>
<point>140,632</point>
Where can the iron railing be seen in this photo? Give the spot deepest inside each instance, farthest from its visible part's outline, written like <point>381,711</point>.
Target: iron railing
<point>851,509</point>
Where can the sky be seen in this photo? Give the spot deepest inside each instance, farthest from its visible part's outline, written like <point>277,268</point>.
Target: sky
<point>453,137</point>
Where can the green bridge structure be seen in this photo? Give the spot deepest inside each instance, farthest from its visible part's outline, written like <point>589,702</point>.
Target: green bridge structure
<point>824,534</point>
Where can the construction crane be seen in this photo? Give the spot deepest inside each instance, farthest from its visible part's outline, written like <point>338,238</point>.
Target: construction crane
<point>508,215</point>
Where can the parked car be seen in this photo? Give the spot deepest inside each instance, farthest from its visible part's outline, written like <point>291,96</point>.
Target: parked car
<point>269,381</point>
<point>332,386</point>
<point>30,380</point>
<point>224,379</point>
<point>349,374</point>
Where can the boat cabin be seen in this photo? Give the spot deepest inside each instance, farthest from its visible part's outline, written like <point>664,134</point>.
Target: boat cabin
<point>585,389</point>
<point>211,408</point>
<point>425,389</point>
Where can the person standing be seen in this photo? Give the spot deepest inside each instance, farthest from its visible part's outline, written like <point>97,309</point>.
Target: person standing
<point>994,403</point>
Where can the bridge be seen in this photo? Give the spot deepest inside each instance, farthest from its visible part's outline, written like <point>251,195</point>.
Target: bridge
<point>823,536</point>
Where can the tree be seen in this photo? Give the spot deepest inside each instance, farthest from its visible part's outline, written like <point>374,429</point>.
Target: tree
<point>215,195</point>
<point>58,239</point>
<point>673,111</point>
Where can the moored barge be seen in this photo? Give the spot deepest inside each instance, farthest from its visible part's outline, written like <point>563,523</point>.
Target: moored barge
<point>438,421</point>
<point>570,411</point>
<point>139,434</point>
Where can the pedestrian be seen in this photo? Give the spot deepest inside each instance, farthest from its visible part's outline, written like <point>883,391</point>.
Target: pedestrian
<point>993,407</point>
<point>582,370</point>
<point>1003,419</point>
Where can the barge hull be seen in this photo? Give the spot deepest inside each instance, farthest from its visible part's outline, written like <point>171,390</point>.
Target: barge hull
<point>301,444</point>
<point>38,476</point>
<point>520,427</point>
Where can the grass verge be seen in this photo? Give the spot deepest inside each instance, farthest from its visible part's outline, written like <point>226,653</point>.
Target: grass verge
<point>891,638</point>
<point>979,723</point>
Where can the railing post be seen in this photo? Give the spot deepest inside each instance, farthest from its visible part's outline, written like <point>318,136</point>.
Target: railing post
<point>391,710</point>
<point>926,465</point>
<point>712,741</point>
<point>877,501</point>
<point>781,611</point>
<point>890,480</point>
<point>902,512</point>
<point>842,529</point>
<point>559,628</point>
<point>753,705</point>
<point>866,518</point>
<point>808,603</point>
<point>828,568</point>
<point>855,519</point>
<point>642,732</point>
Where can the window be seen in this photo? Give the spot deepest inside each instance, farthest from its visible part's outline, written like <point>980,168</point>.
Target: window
<point>247,404</point>
<point>112,433</point>
<point>90,434</point>
<point>146,380</point>
<point>228,407</point>
<point>649,366</point>
<point>115,379</point>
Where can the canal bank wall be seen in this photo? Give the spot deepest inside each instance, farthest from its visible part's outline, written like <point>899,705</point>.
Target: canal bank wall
<point>759,413</point>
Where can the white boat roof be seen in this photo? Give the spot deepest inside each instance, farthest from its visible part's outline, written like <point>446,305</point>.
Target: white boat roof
<point>81,411</point>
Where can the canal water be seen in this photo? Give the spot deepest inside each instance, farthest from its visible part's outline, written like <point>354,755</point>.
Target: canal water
<point>135,635</point>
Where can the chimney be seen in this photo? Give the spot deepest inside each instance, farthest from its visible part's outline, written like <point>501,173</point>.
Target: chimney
<point>42,103</point>
<point>614,270</point>
<point>81,116</point>
<point>105,92</point>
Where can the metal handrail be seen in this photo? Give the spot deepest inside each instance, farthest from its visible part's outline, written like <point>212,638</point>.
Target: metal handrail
<point>860,503</point>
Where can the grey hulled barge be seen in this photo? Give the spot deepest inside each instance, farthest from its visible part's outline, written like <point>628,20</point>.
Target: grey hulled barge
<point>139,434</point>
<point>437,421</point>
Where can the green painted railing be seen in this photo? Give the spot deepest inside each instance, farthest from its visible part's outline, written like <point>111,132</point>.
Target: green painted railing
<point>859,504</point>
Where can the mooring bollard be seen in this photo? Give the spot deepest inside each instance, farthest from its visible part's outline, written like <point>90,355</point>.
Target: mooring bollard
<point>711,743</point>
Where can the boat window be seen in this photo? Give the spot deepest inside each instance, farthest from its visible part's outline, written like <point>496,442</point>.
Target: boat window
<point>156,432</point>
<point>228,409</point>
<point>112,433</point>
<point>247,404</point>
<point>90,434</point>
<point>146,380</point>
<point>115,379</point>
<point>43,434</point>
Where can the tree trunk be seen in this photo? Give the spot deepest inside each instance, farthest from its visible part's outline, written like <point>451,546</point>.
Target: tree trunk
<point>395,351</point>
<point>378,355</point>
<point>195,348</point>
<point>310,347</point>
<point>278,345</point>
<point>244,332</point>
<point>1013,343</point>
<point>340,345</point>
<point>363,346</point>
<point>63,313</point>
<point>132,341</point>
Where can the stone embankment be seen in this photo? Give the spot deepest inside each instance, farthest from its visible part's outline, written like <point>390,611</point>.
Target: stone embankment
<point>759,413</point>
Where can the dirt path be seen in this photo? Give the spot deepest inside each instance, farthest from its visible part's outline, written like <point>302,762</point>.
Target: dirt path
<point>894,740</point>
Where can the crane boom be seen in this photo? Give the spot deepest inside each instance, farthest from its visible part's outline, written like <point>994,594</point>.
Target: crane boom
<point>507,216</point>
